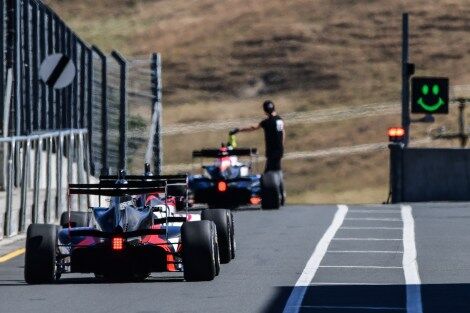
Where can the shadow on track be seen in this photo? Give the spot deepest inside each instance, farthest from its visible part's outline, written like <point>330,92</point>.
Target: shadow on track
<point>436,298</point>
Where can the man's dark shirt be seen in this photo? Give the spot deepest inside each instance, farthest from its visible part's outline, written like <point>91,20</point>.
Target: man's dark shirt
<point>273,132</point>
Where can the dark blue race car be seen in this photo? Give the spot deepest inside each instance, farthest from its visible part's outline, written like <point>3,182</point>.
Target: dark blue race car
<point>229,183</point>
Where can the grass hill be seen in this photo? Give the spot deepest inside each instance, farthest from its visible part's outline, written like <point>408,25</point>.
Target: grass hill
<point>222,58</point>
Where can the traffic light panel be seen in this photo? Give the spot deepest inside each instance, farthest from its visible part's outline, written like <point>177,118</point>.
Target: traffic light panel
<point>430,95</point>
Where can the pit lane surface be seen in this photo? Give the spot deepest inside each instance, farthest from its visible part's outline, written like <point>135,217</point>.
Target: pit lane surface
<point>361,270</point>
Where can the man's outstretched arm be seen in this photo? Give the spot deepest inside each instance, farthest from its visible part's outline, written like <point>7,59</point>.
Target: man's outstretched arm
<point>245,129</point>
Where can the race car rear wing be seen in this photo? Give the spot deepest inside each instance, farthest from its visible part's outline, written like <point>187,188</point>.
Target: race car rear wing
<point>176,185</point>
<point>169,179</point>
<point>107,188</point>
<point>215,153</point>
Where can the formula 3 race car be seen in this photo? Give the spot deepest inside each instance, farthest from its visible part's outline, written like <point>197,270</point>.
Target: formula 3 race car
<point>140,232</point>
<point>229,183</point>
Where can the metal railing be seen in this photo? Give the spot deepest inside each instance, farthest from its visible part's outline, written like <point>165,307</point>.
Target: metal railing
<point>51,137</point>
<point>98,97</point>
<point>38,169</point>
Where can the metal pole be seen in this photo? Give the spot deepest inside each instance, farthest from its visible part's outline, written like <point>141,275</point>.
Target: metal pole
<point>45,38</point>
<point>2,51</point>
<point>35,65</point>
<point>60,144</point>
<point>405,89</point>
<point>104,113</point>
<point>90,108</point>
<point>122,110</point>
<point>27,73</point>
<point>82,109</point>
<point>56,110</point>
<point>65,91</point>
<point>17,66</point>
<point>156,67</point>
<point>73,106</point>
<point>37,181</point>
<point>47,201</point>
<point>9,198</point>
<point>24,186</point>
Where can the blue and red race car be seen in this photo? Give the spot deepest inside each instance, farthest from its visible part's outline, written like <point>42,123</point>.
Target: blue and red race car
<point>145,228</point>
<point>229,183</point>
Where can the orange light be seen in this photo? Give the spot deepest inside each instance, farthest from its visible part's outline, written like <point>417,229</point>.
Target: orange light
<point>118,243</point>
<point>222,186</point>
<point>395,133</point>
<point>255,200</point>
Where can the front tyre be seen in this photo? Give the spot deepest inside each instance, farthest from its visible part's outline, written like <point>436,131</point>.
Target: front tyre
<point>41,252</point>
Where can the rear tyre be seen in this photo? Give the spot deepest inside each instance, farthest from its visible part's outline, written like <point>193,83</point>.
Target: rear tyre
<point>217,253</point>
<point>41,251</point>
<point>199,249</point>
<point>222,220</point>
<point>77,219</point>
<point>271,190</point>
<point>233,244</point>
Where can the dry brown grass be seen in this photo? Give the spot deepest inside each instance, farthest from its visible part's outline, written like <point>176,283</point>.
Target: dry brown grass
<point>222,58</point>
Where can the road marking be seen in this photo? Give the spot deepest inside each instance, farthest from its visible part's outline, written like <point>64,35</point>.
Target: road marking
<point>410,265</point>
<point>350,284</point>
<point>369,239</point>
<point>362,251</point>
<point>349,227</point>
<point>373,219</point>
<point>12,255</point>
<point>367,308</point>
<point>360,266</point>
<point>295,299</point>
<point>376,211</point>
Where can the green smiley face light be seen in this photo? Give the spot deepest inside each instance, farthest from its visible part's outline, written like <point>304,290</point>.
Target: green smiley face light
<point>435,92</point>
<point>430,95</point>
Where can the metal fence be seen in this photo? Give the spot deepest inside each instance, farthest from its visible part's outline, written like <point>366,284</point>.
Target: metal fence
<point>109,117</point>
<point>38,167</point>
<point>98,97</point>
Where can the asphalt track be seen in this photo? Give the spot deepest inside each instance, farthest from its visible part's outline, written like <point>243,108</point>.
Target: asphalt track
<point>364,261</point>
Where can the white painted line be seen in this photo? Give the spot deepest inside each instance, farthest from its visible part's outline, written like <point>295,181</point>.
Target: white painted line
<point>410,265</point>
<point>384,228</point>
<point>373,219</point>
<point>369,239</point>
<point>376,211</point>
<point>360,266</point>
<point>348,284</point>
<point>295,299</point>
<point>362,308</point>
<point>363,251</point>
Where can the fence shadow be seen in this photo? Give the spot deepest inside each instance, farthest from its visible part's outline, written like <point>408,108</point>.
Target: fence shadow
<point>436,298</point>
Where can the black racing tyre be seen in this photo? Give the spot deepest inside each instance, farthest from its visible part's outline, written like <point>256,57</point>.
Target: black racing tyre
<point>271,190</point>
<point>41,251</point>
<point>199,249</point>
<point>217,254</point>
<point>222,220</point>
<point>77,219</point>
<point>233,244</point>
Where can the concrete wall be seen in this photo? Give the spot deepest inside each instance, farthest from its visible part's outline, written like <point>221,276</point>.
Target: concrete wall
<point>431,175</point>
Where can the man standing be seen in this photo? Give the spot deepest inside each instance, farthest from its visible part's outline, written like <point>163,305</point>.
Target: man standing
<point>274,136</point>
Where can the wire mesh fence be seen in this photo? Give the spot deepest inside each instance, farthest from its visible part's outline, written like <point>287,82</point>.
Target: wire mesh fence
<point>97,99</point>
<point>84,125</point>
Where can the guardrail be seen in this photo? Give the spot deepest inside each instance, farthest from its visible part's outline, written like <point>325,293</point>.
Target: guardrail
<point>38,168</point>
